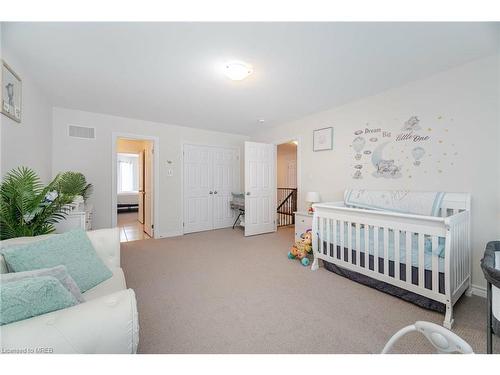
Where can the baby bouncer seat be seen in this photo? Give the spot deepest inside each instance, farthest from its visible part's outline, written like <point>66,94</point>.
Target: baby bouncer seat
<point>443,340</point>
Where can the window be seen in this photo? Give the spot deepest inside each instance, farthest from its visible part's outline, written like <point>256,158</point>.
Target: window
<point>128,173</point>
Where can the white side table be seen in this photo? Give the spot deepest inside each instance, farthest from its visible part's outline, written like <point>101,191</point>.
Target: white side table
<point>76,219</point>
<point>303,222</point>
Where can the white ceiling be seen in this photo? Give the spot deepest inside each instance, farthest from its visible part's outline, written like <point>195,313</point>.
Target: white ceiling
<point>168,72</point>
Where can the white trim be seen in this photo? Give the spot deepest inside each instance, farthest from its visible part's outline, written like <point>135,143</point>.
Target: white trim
<point>156,176</point>
<point>479,291</point>
<point>188,143</point>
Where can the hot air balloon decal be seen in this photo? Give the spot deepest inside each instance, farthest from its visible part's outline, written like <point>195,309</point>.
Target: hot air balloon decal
<point>418,153</point>
<point>358,144</point>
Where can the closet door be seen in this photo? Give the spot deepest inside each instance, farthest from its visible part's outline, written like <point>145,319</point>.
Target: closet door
<point>226,179</point>
<point>198,193</point>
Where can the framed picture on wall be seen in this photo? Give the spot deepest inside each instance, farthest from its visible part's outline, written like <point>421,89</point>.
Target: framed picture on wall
<point>11,94</point>
<point>323,139</point>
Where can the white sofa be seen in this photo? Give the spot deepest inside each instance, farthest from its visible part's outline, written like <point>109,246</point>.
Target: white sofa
<point>106,322</point>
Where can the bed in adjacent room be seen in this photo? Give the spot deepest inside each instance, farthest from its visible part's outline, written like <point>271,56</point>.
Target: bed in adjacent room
<point>128,201</point>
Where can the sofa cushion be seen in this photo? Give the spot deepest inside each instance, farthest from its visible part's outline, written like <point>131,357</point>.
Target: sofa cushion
<point>17,241</point>
<point>72,249</point>
<point>3,265</point>
<point>111,285</point>
<point>26,298</point>
<point>59,272</point>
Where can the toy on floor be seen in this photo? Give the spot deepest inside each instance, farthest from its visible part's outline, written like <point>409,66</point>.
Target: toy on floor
<point>302,248</point>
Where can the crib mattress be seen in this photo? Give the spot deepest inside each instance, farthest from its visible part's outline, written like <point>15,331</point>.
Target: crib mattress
<point>428,250</point>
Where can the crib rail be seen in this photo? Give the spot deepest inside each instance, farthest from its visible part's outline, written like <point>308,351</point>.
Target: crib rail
<point>458,246</point>
<point>429,256</point>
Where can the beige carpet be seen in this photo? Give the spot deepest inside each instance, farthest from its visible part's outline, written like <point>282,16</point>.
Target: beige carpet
<point>219,292</point>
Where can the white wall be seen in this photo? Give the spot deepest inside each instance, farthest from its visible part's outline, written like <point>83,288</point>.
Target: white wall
<point>93,158</point>
<point>27,143</point>
<point>286,154</point>
<point>460,106</point>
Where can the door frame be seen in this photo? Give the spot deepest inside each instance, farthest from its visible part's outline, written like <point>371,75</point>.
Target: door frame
<point>299,164</point>
<point>187,143</point>
<point>156,174</point>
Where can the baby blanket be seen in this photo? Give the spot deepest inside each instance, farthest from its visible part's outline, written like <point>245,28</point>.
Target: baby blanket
<point>410,202</point>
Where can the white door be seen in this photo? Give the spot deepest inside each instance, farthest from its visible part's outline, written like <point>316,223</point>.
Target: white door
<point>148,189</point>
<point>260,188</point>
<point>140,197</point>
<point>198,202</point>
<point>226,179</point>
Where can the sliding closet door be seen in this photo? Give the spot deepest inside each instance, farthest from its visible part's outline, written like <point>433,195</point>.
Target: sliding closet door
<point>198,193</point>
<point>226,179</point>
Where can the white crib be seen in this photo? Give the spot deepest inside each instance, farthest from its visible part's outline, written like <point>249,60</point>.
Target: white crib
<point>339,232</point>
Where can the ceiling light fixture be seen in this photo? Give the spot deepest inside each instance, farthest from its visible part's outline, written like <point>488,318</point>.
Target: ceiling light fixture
<point>261,121</point>
<point>237,70</point>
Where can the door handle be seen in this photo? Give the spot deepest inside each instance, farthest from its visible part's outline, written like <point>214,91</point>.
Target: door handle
<point>248,193</point>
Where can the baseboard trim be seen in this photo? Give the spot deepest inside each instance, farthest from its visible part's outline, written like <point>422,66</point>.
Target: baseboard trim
<point>479,291</point>
<point>170,234</point>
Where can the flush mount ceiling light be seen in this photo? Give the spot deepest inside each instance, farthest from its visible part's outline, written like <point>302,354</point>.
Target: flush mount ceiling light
<point>237,70</point>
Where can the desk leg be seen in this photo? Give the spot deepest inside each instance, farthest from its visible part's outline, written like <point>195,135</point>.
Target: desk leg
<point>237,219</point>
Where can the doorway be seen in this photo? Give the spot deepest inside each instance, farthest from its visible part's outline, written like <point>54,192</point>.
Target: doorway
<point>286,176</point>
<point>134,169</point>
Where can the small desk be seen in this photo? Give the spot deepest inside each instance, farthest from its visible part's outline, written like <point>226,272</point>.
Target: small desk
<point>303,222</point>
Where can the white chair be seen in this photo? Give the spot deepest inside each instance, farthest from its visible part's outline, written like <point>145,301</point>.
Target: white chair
<point>445,341</point>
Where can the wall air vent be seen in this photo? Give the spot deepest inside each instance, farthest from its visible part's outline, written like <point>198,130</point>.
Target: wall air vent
<point>77,131</point>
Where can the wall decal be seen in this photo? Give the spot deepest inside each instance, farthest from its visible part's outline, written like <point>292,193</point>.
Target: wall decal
<point>382,152</point>
<point>418,153</point>
<point>384,167</point>
<point>412,124</point>
<point>358,144</point>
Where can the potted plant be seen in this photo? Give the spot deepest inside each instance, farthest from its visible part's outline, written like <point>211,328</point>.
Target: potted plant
<point>74,183</point>
<point>27,208</point>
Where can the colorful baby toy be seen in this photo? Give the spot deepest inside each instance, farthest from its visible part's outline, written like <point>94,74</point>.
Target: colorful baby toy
<point>302,248</point>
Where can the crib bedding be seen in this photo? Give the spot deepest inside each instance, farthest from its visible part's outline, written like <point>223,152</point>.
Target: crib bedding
<point>425,203</point>
<point>340,252</point>
<point>428,250</point>
<point>393,290</point>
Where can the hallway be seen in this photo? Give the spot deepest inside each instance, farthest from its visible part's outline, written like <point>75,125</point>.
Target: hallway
<point>130,228</point>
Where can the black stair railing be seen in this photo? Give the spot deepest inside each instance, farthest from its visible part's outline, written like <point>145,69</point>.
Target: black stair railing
<point>287,205</point>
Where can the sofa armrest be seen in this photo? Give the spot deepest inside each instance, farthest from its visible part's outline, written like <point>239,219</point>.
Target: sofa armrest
<point>106,243</point>
<point>104,325</point>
